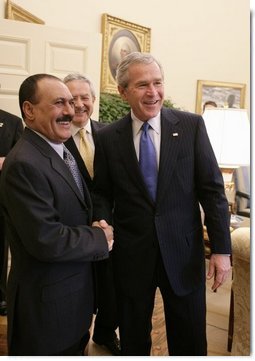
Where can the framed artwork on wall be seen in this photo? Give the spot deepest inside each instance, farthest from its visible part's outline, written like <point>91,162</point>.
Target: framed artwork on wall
<point>120,38</point>
<point>16,12</point>
<point>224,94</point>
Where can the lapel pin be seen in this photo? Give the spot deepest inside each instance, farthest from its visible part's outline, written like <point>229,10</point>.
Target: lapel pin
<point>1,124</point>
<point>175,134</point>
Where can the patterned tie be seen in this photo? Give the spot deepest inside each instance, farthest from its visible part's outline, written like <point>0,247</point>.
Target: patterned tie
<point>73,167</point>
<point>148,161</point>
<point>86,152</point>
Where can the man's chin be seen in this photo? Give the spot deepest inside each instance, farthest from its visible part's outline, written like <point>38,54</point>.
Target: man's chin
<point>65,135</point>
<point>80,121</point>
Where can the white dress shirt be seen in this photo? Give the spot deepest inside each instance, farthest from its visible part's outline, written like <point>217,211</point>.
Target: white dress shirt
<point>58,147</point>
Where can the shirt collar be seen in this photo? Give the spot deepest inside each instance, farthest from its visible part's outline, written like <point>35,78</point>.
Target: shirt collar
<point>75,129</point>
<point>58,147</point>
<point>137,123</point>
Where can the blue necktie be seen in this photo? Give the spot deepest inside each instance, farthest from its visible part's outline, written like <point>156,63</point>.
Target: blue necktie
<point>73,167</point>
<point>148,161</point>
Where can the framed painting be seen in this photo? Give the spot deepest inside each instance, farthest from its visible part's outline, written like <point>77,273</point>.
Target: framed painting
<point>224,94</point>
<point>120,38</point>
<point>16,12</point>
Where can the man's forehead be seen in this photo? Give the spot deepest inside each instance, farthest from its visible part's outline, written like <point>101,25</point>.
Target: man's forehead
<point>54,88</point>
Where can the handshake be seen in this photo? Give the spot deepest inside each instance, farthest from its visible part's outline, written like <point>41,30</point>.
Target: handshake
<point>108,231</point>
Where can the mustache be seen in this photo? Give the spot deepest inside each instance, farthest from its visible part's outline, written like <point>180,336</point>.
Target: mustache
<point>65,118</point>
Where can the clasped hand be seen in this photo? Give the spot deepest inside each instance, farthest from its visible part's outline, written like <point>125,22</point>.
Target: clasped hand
<point>108,231</point>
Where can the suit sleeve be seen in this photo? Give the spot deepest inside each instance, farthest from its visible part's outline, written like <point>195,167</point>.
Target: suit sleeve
<point>42,218</point>
<point>210,187</point>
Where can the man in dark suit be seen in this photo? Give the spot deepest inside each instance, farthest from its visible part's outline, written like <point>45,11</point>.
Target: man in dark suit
<point>48,216</point>
<point>158,239</point>
<point>84,97</point>
<point>11,128</point>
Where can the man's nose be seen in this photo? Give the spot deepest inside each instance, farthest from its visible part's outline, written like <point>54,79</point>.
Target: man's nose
<point>78,103</point>
<point>151,89</point>
<point>69,109</point>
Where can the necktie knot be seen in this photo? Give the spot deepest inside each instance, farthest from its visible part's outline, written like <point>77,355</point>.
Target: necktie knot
<point>83,133</point>
<point>145,127</point>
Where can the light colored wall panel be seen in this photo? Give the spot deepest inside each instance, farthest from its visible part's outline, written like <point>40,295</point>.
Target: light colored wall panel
<point>14,55</point>
<point>194,40</point>
<point>63,58</point>
<point>48,50</point>
<point>14,67</point>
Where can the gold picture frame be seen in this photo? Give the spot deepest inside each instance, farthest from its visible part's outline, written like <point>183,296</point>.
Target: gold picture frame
<point>16,12</point>
<point>120,37</point>
<point>224,94</point>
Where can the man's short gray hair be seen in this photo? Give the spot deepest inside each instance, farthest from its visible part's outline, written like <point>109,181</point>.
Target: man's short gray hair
<point>78,76</point>
<point>122,77</point>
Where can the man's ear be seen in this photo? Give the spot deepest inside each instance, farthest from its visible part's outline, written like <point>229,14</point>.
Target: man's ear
<point>122,92</point>
<point>28,109</point>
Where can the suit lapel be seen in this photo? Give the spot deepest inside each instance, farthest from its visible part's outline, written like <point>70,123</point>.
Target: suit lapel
<point>171,135</point>
<point>57,163</point>
<point>95,126</point>
<point>127,152</point>
<point>59,166</point>
<point>3,127</point>
<point>70,144</point>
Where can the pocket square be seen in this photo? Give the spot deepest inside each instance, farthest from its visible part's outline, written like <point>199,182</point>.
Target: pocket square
<point>1,124</point>
<point>175,134</point>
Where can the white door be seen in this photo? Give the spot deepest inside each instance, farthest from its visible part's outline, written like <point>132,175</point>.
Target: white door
<point>27,48</point>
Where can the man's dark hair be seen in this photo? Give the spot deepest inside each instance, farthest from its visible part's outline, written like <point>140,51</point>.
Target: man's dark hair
<point>28,89</point>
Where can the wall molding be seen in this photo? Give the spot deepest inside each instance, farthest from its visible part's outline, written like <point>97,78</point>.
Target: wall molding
<point>16,12</point>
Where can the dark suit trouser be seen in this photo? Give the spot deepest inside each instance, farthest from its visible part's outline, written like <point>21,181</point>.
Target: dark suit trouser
<point>77,349</point>
<point>185,319</point>
<point>3,259</point>
<point>106,318</point>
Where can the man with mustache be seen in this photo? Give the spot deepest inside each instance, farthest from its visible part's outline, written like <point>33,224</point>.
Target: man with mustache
<point>84,96</point>
<point>48,220</point>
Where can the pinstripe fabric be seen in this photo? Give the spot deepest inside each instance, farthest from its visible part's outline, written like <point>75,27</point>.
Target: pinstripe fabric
<point>188,174</point>
<point>161,244</point>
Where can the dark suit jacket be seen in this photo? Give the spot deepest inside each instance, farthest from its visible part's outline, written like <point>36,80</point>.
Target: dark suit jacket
<point>50,289</point>
<point>70,144</point>
<point>11,128</point>
<point>188,174</point>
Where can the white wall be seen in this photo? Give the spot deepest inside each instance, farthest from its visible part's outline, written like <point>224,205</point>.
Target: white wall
<point>198,39</point>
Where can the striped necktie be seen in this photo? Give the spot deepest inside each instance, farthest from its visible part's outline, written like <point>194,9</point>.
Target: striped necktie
<point>73,167</point>
<point>86,151</point>
<point>148,161</point>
